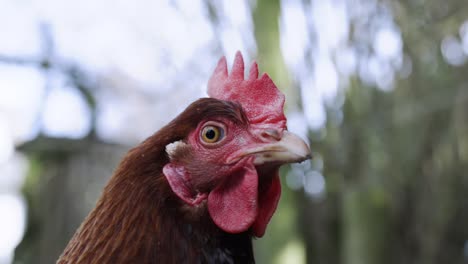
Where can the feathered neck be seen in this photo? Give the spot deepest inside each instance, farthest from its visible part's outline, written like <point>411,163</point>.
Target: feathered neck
<point>138,219</point>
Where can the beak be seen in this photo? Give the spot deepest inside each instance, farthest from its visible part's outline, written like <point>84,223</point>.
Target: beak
<point>289,149</point>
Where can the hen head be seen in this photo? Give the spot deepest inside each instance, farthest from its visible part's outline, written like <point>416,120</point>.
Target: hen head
<point>230,161</point>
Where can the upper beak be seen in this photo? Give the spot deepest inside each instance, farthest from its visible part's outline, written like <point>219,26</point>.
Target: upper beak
<point>289,149</point>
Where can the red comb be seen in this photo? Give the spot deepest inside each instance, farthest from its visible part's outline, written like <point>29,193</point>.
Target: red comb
<point>260,98</point>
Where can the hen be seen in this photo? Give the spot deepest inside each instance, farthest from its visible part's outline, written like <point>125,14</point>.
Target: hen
<point>200,188</point>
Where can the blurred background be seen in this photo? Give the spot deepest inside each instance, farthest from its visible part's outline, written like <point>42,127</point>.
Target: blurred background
<point>379,88</point>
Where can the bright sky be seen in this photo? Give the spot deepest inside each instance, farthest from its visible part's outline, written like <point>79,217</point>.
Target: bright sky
<point>159,50</point>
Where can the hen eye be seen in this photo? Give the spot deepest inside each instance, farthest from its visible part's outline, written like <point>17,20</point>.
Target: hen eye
<point>212,134</point>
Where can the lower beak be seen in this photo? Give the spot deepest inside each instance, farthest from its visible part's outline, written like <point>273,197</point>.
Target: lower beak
<point>289,149</point>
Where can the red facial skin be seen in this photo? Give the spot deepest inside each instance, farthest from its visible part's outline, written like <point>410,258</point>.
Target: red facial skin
<point>238,195</point>
<point>218,155</point>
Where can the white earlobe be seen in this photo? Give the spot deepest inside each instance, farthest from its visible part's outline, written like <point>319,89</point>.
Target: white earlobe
<point>171,148</point>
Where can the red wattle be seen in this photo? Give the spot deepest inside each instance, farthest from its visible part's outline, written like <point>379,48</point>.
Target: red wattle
<point>267,204</point>
<point>233,206</point>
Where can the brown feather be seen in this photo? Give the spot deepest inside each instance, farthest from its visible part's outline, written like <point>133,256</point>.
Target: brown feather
<point>138,218</point>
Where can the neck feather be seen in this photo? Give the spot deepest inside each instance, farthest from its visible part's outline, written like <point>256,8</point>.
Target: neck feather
<point>140,220</point>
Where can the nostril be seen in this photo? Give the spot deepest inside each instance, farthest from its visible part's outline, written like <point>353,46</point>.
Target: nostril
<point>270,134</point>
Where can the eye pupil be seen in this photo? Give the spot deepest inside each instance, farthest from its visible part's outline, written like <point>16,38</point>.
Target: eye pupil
<point>210,134</point>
